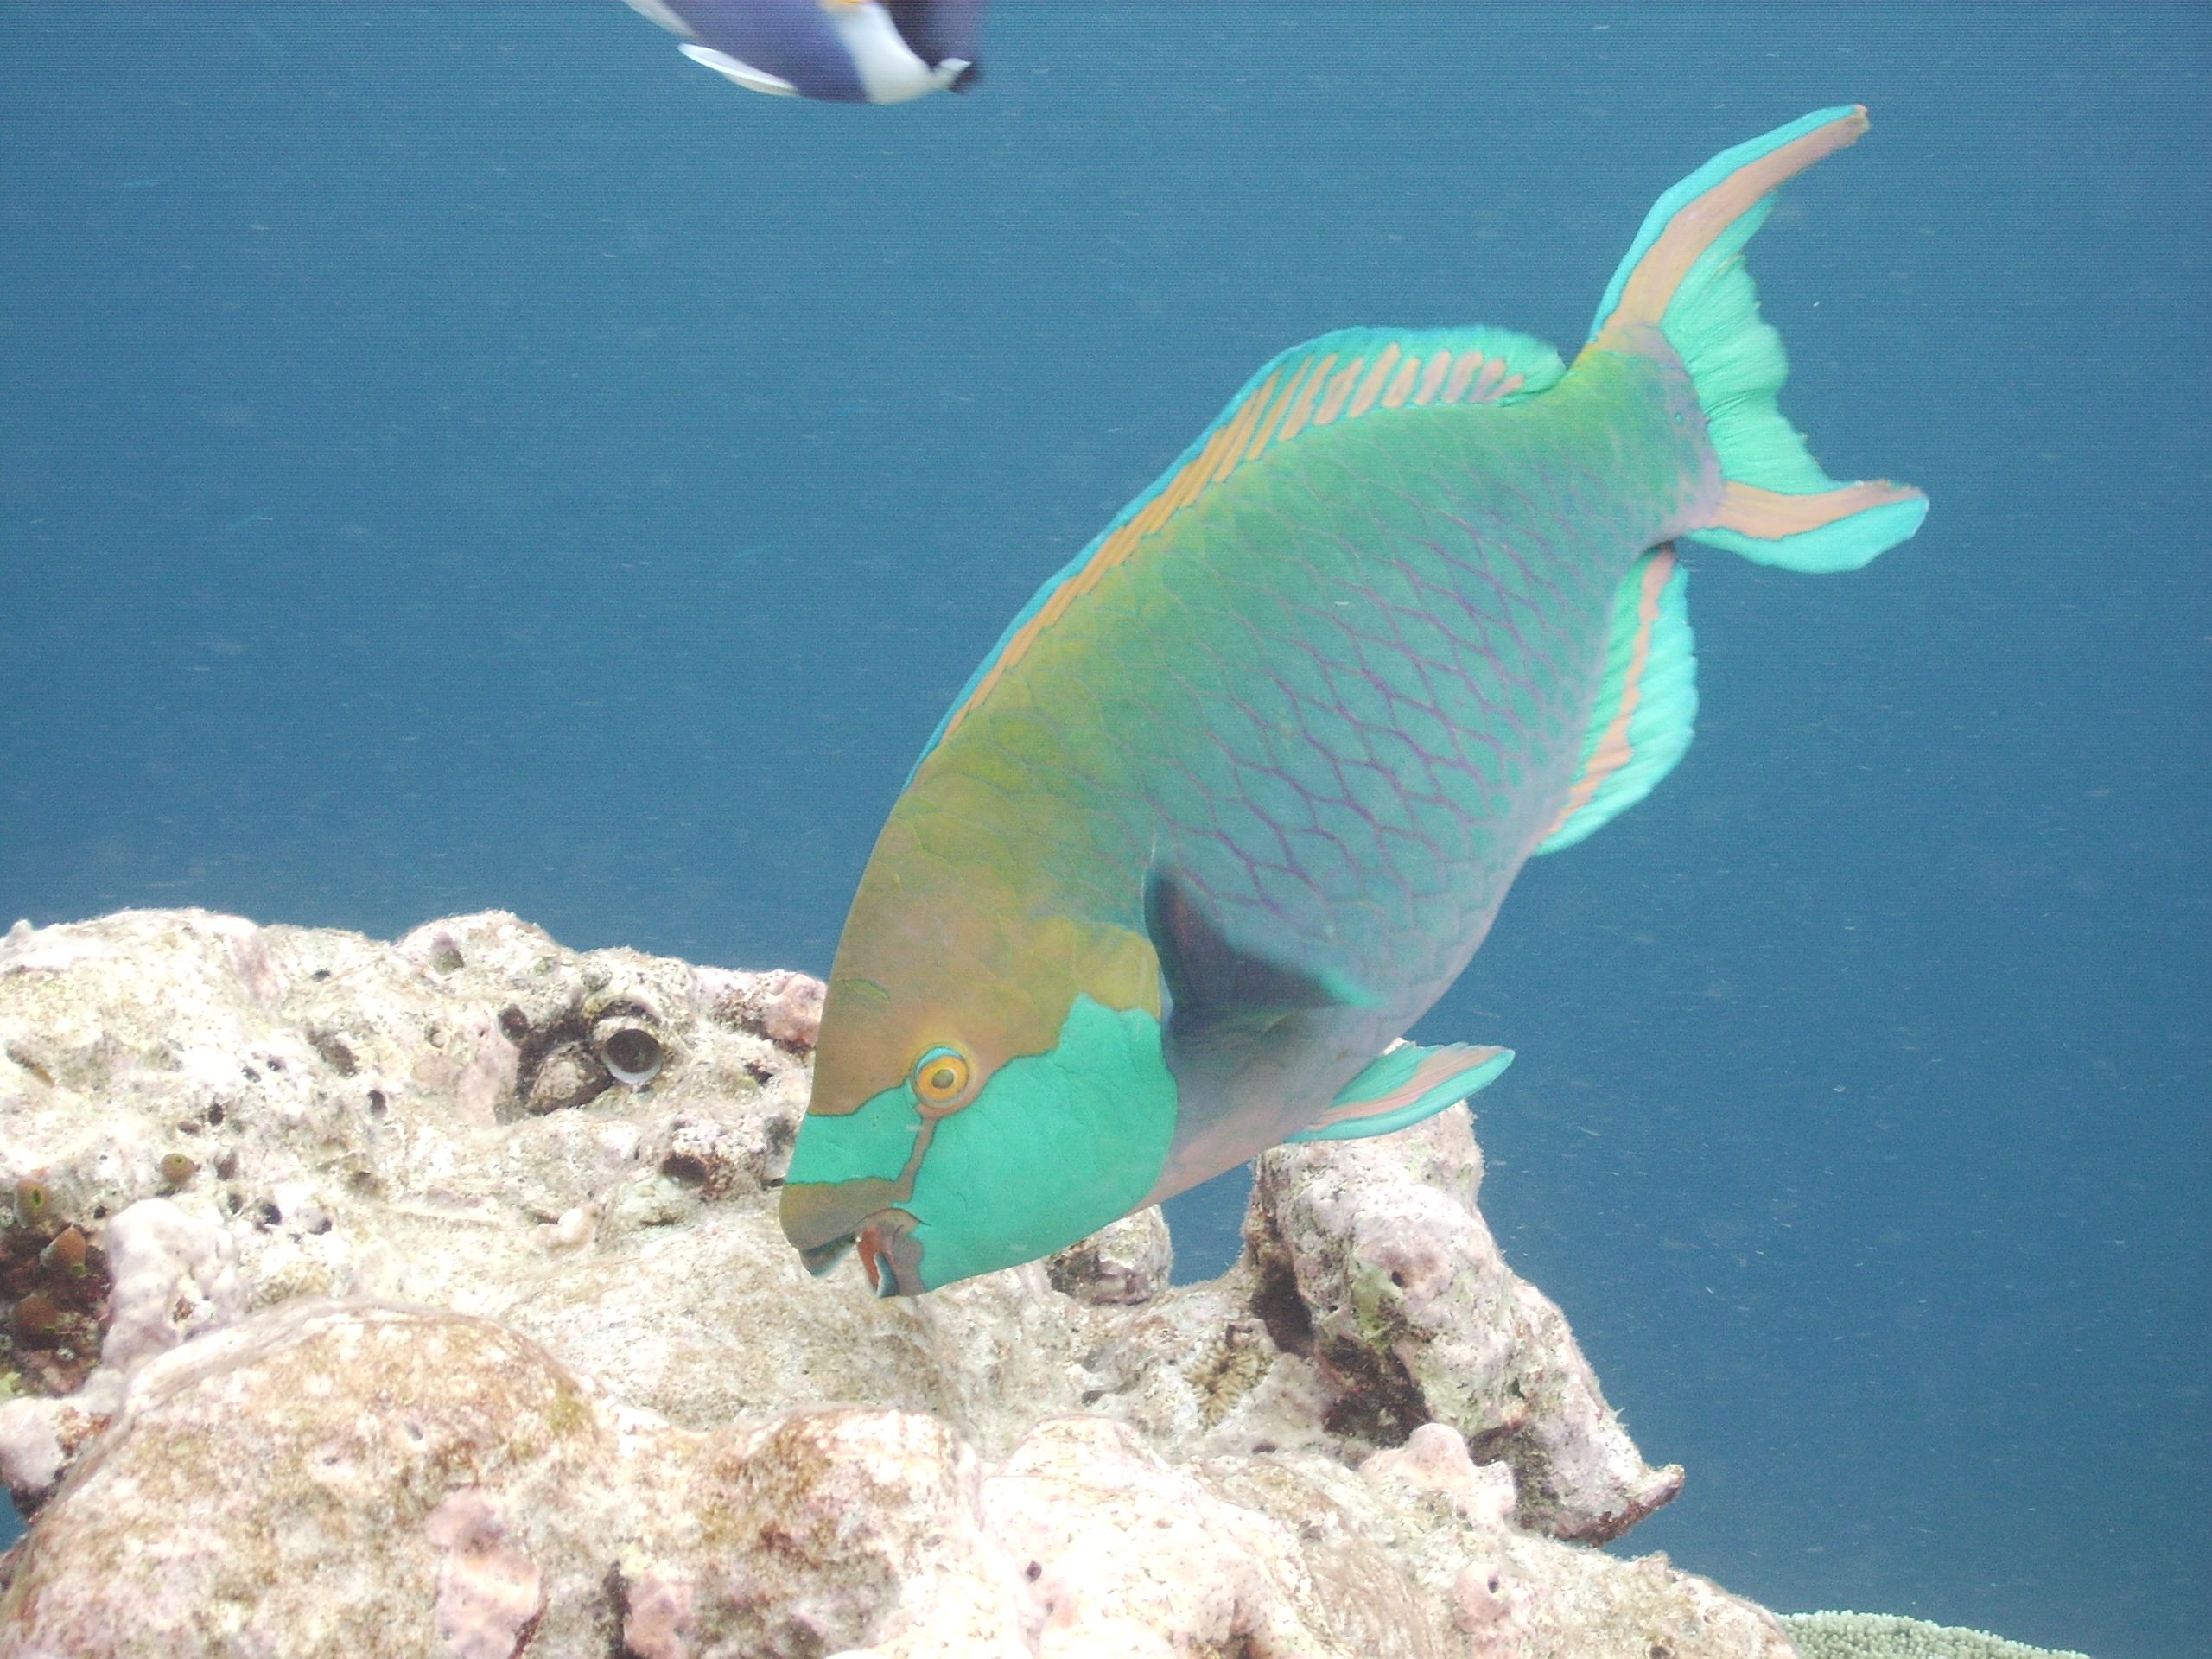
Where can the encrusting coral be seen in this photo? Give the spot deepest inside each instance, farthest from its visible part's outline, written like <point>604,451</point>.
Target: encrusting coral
<point>427,1298</point>
<point>1885,1636</point>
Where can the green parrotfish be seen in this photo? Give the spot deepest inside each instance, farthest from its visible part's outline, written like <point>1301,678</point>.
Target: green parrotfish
<point>1238,794</point>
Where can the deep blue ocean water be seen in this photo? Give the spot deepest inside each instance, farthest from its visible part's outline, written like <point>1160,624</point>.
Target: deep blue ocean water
<point>463,455</point>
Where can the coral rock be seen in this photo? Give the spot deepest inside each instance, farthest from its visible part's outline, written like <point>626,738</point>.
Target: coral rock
<point>441,1309</point>
<point>1388,1276</point>
<point>327,1479</point>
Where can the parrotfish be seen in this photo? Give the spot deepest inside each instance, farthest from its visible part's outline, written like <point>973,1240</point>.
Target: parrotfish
<point>844,51</point>
<point>1239,792</point>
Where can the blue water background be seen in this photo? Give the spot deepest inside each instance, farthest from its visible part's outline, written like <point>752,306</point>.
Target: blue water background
<point>458,456</point>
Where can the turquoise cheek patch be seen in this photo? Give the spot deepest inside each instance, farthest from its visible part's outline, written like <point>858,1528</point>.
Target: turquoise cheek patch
<point>1056,1146</point>
<point>873,1143</point>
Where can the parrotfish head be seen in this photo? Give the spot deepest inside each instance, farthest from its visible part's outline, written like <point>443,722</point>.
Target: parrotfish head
<point>989,1086</point>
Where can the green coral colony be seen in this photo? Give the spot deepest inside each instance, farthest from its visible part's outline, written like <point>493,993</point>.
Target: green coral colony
<point>1237,796</point>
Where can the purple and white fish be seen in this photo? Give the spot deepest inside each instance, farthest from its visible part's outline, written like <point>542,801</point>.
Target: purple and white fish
<point>843,51</point>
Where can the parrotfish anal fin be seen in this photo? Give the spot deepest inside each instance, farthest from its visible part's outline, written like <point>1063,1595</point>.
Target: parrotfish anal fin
<point>1646,707</point>
<point>1684,278</point>
<point>1351,375</point>
<point>1404,1085</point>
<point>1211,983</point>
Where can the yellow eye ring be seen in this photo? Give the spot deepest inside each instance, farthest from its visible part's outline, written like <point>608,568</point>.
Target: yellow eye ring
<point>940,1079</point>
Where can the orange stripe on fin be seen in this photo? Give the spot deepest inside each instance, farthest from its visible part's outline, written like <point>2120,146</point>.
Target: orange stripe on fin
<point>1401,386</point>
<point>1432,1069</point>
<point>1486,382</point>
<point>1296,421</point>
<point>1232,454</point>
<point>1263,433</point>
<point>1154,514</point>
<point>1222,453</point>
<point>1456,387</point>
<point>1650,287</point>
<point>1333,401</point>
<point>1193,475</point>
<point>1439,366</point>
<point>1771,515</point>
<point>1612,751</point>
<point>1371,388</point>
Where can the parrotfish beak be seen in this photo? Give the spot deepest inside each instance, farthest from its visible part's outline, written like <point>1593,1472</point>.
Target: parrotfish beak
<point>890,1254</point>
<point>824,1221</point>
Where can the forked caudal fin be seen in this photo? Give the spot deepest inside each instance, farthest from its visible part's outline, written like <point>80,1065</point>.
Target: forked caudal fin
<point>1684,276</point>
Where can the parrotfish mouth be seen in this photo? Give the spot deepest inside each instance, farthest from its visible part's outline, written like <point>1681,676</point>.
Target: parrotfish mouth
<point>889,1253</point>
<point>823,1258</point>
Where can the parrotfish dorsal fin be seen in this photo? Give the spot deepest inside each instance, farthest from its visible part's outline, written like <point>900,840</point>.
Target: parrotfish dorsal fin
<point>1331,379</point>
<point>1405,1084</point>
<point>1646,707</point>
<point>1210,980</point>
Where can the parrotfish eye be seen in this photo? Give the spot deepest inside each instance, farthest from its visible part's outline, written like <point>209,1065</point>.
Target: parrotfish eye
<point>941,1078</point>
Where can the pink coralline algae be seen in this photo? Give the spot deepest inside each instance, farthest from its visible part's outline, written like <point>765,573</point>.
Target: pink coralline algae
<point>490,1594</point>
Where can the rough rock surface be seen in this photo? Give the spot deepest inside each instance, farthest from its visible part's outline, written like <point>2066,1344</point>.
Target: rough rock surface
<point>428,1299</point>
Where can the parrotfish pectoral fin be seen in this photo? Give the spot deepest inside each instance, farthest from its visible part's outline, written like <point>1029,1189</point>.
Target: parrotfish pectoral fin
<point>1404,1085</point>
<point>1684,278</point>
<point>1211,981</point>
<point>1646,706</point>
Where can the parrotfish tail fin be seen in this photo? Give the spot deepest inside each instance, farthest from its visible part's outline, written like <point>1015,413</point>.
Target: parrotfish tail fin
<point>1685,278</point>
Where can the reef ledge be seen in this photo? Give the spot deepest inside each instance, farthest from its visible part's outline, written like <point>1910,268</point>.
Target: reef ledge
<point>427,1298</point>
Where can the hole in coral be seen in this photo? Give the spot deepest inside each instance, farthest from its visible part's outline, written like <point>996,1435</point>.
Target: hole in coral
<point>633,1054</point>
